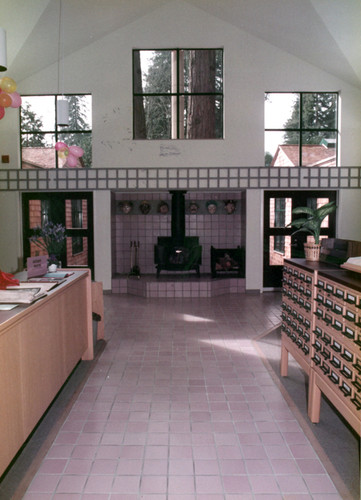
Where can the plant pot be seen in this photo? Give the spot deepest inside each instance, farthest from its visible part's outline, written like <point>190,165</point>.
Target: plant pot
<point>312,251</point>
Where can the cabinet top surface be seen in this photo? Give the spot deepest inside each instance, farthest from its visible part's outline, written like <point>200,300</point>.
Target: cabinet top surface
<point>344,277</point>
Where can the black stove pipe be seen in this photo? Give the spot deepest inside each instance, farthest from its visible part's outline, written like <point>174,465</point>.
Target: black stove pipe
<point>178,224</point>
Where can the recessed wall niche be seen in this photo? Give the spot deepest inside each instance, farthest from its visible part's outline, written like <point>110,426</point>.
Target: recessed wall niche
<point>220,229</point>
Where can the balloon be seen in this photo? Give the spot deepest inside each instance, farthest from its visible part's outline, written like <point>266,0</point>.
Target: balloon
<point>72,161</point>
<point>76,151</point>
<point>15,100</point>
<point>5,100</point>
<point>2,112</point>
<point>60,146</point>
<point>7,84</point>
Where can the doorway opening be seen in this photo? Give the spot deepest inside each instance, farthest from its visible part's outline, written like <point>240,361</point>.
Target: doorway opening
<point>279,244</point>
<point>75,212</point>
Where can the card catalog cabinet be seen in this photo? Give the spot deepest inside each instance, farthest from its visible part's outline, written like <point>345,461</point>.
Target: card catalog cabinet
<point>321,329</point>
<point>297,315</point>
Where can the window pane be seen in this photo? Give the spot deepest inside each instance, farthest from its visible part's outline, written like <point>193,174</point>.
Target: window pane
<point>280,248</point>
<point>35,154</point>
<point>154,73</point>
<point>80,112</point>
<point>81,139</point>
<point>280,210</point>
<point>319,110</point>
<point>203,70</point>
<point>37,113</point>
<point>203,117</point>
<point>319,149</point>
<point>282,110</point>
<point>157,116</point>
<point>280,154</point>
<point>76,214</point>
<point>77,251</point>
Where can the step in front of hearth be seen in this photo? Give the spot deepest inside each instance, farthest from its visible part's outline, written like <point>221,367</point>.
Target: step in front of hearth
<point>149,286</point>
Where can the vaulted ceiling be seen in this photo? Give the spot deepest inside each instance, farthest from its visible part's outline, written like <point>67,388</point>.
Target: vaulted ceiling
<point>325,33</point>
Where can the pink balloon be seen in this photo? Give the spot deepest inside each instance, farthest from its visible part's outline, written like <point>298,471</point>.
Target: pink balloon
<point>2,112</point>
<point>16,100</point>
<point>60,146</point>
<point>76,151</point>
<point>72,161</point>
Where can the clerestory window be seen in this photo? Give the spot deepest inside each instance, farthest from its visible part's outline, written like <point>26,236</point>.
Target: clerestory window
<point>301,129</point>
<point>39,131</point>
<point>178,94</point>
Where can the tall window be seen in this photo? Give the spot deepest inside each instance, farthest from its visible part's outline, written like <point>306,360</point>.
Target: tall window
<point>40,132</point>
<point>301,129</point>
<point>178,94</point>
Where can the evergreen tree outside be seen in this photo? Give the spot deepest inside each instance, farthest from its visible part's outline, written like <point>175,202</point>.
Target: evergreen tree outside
<point>157,108</point>
<point>30,122</point>
<point>318,118</point>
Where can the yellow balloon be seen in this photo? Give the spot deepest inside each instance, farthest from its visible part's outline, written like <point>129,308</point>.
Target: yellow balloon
<point>7,84</point>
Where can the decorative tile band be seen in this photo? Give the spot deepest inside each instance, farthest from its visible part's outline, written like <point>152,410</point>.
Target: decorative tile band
<point>196,179</point>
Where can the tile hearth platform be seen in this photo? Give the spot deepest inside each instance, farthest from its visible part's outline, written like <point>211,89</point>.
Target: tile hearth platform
<point>182,285</point>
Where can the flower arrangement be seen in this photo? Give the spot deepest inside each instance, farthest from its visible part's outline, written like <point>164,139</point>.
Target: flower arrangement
<point>51,238</point>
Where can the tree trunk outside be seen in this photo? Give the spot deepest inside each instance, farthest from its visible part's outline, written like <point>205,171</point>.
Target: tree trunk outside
<point>201,121</point>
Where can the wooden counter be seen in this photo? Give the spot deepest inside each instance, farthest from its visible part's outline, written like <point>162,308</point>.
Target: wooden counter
<point>40,345</point>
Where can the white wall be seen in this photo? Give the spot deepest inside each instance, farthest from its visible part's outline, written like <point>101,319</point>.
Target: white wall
<point>349,214</point>
<point>10,231</point>
<point>251,67</point>
<point>102,238</point>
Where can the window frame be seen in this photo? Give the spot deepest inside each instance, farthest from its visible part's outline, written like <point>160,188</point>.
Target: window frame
<point>301,130</point>
<point>59,130</point>
<point>178,95</point>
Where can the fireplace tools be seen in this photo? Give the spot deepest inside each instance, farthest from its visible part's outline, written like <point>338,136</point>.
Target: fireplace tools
<point>134,265</point>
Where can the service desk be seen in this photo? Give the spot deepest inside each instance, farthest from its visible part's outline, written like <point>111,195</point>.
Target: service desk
<point>40,345</point>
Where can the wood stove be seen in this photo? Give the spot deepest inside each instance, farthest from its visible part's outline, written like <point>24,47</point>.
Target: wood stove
<point>178,252</point>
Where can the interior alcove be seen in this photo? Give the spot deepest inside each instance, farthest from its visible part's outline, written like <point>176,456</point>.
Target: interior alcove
<point>221,229</point>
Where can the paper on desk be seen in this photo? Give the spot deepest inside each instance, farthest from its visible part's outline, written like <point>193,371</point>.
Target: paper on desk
<point>21,295</point>
<point>7,307</point>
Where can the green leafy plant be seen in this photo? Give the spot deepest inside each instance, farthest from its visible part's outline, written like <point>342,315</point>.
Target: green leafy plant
<point>312,223</point>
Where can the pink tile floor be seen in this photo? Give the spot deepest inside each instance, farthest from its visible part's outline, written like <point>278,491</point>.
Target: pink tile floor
<point>180,406</point>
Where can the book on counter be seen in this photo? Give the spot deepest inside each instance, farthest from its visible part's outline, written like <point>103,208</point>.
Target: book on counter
<point>352,264</point>
<point>57,277</point>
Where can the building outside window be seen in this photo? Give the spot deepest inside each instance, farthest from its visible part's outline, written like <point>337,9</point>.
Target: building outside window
<point>178,94</point>
<point>40,132</point>
<point>301,129</point>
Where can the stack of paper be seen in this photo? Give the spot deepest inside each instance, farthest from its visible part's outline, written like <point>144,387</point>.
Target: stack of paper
<point>21,295</point>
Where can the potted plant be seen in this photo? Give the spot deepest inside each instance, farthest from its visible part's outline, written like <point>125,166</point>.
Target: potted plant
<point>312,225</point>
<point>51,239</point>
